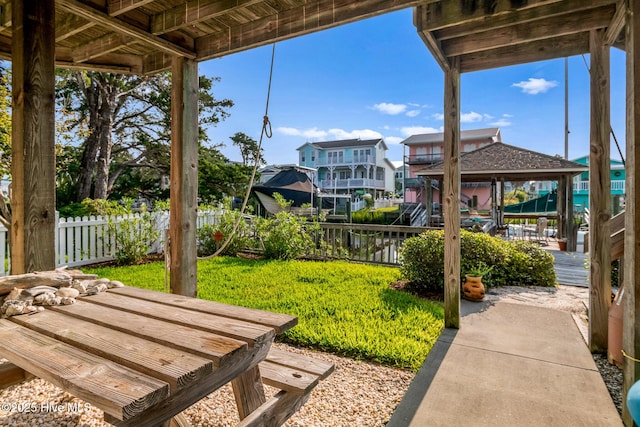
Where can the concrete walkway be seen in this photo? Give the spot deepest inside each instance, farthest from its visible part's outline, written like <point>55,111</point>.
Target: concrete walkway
<point>508,365</point>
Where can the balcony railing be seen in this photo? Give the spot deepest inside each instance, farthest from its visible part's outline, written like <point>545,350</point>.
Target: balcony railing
<point>423,159</point>
<point>414,183</point>
<point>349,161</point>
<point>341,184</point>
<point>583,186</point>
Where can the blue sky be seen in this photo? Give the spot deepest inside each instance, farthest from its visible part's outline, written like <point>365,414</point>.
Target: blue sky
<point>376,78</point>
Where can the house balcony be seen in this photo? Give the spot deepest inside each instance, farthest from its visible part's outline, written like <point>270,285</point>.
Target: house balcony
<point>356,161</point>
<point>351,183</point>
<point>423,159</point>
<point>414,183</point>
<point>582,187</point>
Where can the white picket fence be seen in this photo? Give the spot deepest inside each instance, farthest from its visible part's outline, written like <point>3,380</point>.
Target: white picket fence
<point>87,240</point>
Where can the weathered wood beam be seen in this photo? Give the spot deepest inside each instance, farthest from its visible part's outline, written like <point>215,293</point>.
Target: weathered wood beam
<point>118,7</point>
<point>33,169</point>
<point>193,12</point>
<point>444,13</point>
<point>631,300</point>
<point>496,21</point>
<point>561,204</point>
<point>451,189</point>
<point>184,177</point>
<point>5,15</point>
<point>124,28</point>
<point>528,32</point>
<point>110,62</point>
<point>429,40</point>
<point>71,26</point>
<point>617,24</point>
<point>98,47</point>
<point>599,195</point>
<point>156,62</point>
<point>557,47</point>
<point>308,18</point>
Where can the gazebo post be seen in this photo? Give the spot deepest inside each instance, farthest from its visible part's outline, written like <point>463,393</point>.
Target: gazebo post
<point>184,177</point>
<point>33,171</point>
<point>561,204</point>
<point>599,195</point>
<point>631,300</point>
<point>451,212</point>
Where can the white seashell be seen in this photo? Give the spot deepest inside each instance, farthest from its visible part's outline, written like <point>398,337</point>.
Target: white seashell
<point>31,309</point>
<point>42,298</point>
<point>38,290</point>
<point>80,286</point>
<point>103,280</point>
<point>40,308</point>
<point>14,294</point>
<point>67,292</point>
<point>115,284</point>
<point>67,300</point>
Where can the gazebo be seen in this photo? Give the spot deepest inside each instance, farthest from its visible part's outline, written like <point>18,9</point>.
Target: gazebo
<point>147,36</point>
<point>499,163</point>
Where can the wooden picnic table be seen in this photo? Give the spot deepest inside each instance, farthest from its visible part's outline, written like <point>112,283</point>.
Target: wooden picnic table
<point>144,356</point>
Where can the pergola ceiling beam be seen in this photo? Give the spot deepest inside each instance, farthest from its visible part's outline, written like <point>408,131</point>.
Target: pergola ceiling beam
<point>310,17</point>
<point>494,22</point>
<point>557,47</point>
<point>509,36</point>
<point>193,12</point>
<point>107,44</point>
<point>70,26</point>
<point>118,7</point>
<point>445,13</point>
<point>5,15</point>
<point>124,28</point>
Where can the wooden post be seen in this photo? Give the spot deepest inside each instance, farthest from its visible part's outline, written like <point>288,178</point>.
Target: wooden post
<point>184,176</point>
<point>631,303</point>
<point>451,211</point>
<point>571,238</point>
<point>33,171</point>
<point>429,202</point>
<point>561,201</point>
<point>599,195</point>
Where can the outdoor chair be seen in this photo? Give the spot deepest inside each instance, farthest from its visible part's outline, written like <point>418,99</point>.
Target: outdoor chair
<point>537,232</point>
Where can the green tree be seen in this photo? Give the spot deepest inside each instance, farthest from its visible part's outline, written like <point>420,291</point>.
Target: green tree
<point>218,177</point>
<point>123,123</point>
<point>249,149</point>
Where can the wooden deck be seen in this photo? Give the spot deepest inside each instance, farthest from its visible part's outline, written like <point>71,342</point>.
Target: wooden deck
<point>570,266</point>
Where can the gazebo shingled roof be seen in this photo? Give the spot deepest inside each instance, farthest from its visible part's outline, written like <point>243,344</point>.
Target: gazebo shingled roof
<point>500,160</point>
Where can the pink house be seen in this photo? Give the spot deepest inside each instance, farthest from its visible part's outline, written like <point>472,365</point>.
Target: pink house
<point>426,149</point>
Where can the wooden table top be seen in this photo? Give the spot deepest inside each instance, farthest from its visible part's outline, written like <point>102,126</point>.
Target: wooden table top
<point>141,356</point>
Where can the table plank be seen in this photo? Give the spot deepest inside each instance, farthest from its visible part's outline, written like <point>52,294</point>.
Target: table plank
<point>118,391</point>
<point>232,328</point>
<point>219,349</point>
<point>177,368</point>
<point>280,322</point>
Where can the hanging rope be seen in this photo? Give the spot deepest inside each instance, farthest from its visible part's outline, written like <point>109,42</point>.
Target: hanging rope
<point>266,131</point>
<point>610,127</point>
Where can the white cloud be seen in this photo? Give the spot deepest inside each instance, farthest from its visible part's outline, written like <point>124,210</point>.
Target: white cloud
<point>415,130</point>
<point>313,133</point>
<point>413,113</point>
<point>393,139</point>
<point>354,134</point>
<point>535,86</point>
<point>438,116</point>
<point>390,108</point>
<point>471,117</point>
<point>507,115</point>
<point>503,122</point>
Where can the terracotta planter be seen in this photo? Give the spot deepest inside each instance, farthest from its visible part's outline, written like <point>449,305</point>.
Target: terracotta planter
<point>473,288</point>
<point>562,245</point>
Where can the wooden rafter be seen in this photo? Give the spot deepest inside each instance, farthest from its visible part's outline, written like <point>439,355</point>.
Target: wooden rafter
<point>118,7</point>
<point>193,12</point>
<point>310,17</point>
<point>124,28</point>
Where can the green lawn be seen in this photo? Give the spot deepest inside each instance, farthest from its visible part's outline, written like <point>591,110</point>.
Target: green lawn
<point>342,307</point>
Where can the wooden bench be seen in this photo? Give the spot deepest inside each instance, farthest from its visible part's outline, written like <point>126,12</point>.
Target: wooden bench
<point>295,375</point>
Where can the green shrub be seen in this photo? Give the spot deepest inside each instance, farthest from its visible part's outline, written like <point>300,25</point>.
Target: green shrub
<point>90,207</point>
<point>286,235</point>
<point>134,236</point>
<point>517,263</point>
<point>240,240</point>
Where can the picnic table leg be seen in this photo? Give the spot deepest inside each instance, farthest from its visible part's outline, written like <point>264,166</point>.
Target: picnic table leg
<point>249,392</point>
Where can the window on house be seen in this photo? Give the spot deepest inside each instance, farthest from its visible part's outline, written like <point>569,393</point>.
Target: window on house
<point>313,156</point>
<point>302,157</point>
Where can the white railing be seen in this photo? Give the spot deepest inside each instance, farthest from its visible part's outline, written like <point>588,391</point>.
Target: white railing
<point>87,240</point>
<point>351,183</point>
<point>616,185</point>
